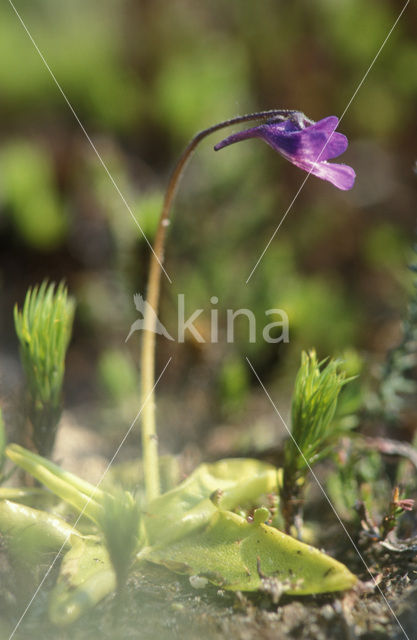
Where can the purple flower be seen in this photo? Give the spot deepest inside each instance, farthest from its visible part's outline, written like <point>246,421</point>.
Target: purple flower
<point>407,504</point>
<point>306,144</point>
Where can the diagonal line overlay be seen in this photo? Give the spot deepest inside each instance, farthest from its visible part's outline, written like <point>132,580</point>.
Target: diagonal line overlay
<point>39,587</point>
<point>83,129</point>
<point>326,497</point>
<point>327,141</point>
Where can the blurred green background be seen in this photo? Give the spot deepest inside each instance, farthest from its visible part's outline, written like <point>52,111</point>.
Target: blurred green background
<point>144,76</point>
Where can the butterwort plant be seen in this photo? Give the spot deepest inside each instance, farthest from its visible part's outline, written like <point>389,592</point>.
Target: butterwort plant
<point>212,525</point>
<point>305,143</point>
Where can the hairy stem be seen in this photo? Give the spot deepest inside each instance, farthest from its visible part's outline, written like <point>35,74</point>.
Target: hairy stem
<point>149,439</point>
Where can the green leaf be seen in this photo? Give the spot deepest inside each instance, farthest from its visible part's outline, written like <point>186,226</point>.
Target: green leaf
<point>237,555</point>
<point>191,529</point>
<point>86,577</point>
<point>237,482</point>
<point>80,494</point>
<point>29,533</point>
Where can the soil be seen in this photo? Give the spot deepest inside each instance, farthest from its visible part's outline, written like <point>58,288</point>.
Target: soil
<point>158,604</point>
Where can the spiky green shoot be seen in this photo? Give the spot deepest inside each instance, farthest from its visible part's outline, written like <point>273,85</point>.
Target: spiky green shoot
<point>44,327</point>
<point>119,522</point>
<point>313,430</point>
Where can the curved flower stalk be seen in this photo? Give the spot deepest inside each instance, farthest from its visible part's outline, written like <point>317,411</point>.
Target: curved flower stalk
<point>306,144</point>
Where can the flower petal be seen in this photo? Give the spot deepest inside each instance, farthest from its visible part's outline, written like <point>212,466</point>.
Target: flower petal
<point>308,148</point>
<point>320,141</point>
<point>316,143</point>
<point>341,175</point>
